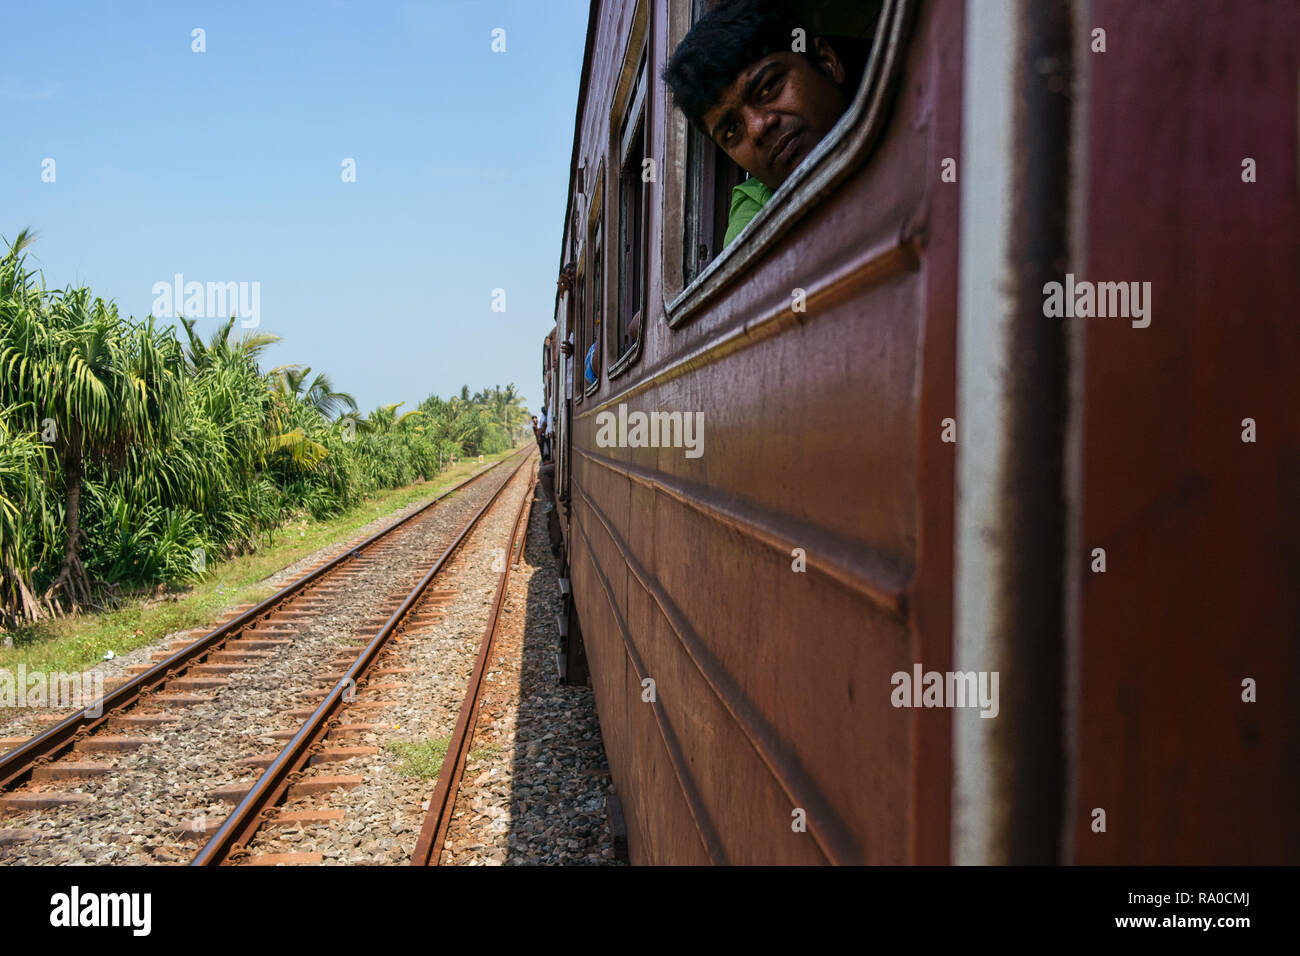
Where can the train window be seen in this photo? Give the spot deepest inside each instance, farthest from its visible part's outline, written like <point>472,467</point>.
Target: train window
<point>597,306</point>
<point>630,222</point>
<point>594,303</point>
<point>865,35</point>
<point>546,367</point>
<point>582,336</point>
<point>710,177</point>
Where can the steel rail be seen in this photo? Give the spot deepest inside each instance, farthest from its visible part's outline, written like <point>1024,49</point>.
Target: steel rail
<point>269,789</point>
<point>433,834</point>
<point>17,765</point>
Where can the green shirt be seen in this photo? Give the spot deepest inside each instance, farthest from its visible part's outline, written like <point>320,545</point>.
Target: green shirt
<point>746,200</point>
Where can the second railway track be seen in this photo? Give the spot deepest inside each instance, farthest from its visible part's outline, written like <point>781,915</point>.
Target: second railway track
<point>442,804</point>
<point>135,783</point>
<point>362,691</point>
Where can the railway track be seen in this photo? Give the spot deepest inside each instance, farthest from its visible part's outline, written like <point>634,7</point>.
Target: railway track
<point>433,834</point>
<point>313,738</point>
<point>177,684</point>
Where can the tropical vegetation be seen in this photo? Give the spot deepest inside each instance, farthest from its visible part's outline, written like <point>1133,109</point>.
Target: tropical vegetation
<point>133,454</point>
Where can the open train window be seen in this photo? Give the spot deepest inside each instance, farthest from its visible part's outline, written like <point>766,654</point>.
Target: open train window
<point>597,324</point>
<point>631,226</point>
<point>547,369</point>
<point>710,177</point>
<point>582,334</point>
<point>592,284</point>
<point>866,36</point>
<point>629,127</point>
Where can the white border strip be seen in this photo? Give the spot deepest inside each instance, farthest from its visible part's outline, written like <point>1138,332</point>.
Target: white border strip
<point>984,311</point>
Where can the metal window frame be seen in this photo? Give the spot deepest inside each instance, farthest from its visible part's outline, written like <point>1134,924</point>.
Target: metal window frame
<point>845,148</point>
<point>632,106</point>
<point>593,233</point>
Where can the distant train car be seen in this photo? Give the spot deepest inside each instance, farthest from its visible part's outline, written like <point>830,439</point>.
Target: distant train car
<point>950,513</point>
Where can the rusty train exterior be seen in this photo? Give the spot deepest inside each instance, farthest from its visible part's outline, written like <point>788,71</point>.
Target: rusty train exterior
<point>929,459</point>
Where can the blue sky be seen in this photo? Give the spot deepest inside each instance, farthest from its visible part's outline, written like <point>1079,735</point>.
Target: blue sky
<point>225,166</point>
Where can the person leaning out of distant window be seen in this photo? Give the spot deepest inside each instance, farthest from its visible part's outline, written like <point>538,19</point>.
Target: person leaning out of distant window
<point>567,276</point>
<point>543,434</point>
<point>591,365</point>
<point>737,79</point>
<point>565,284</point>
<point>633,333</point>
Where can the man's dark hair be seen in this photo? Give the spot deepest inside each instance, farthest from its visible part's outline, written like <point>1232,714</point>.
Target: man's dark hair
<point>722,43</point>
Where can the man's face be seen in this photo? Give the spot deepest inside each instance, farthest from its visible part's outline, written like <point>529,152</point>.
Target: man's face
<point>777,110</point>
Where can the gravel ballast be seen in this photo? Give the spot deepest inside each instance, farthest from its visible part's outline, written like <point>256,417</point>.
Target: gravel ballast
<point>135,811</point>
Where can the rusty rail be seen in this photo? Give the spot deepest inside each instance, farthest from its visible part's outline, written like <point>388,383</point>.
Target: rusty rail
<point>270,788</point>
<point>428,848</point>
<point>17,765</point>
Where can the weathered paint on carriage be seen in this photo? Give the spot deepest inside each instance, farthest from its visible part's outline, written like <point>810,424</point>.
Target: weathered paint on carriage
<point>772,687</point>
<point>820,432</point>
<point>1201,530</point>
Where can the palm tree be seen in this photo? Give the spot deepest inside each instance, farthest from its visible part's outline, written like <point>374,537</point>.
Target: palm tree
<point>500,405</point>
<point>385,419</point>
<point>512,402</point>
<point>464,421</point>
<point>21,489</point>
<point>290,381</point>
<point>291,390</point>
<point>98,385</point>
<point>219,351</point>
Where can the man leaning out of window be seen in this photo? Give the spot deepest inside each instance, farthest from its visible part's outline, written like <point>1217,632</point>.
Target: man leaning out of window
<point>737,79</point>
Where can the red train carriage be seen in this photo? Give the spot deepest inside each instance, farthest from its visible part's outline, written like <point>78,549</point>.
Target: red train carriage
<point>958,565</point>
